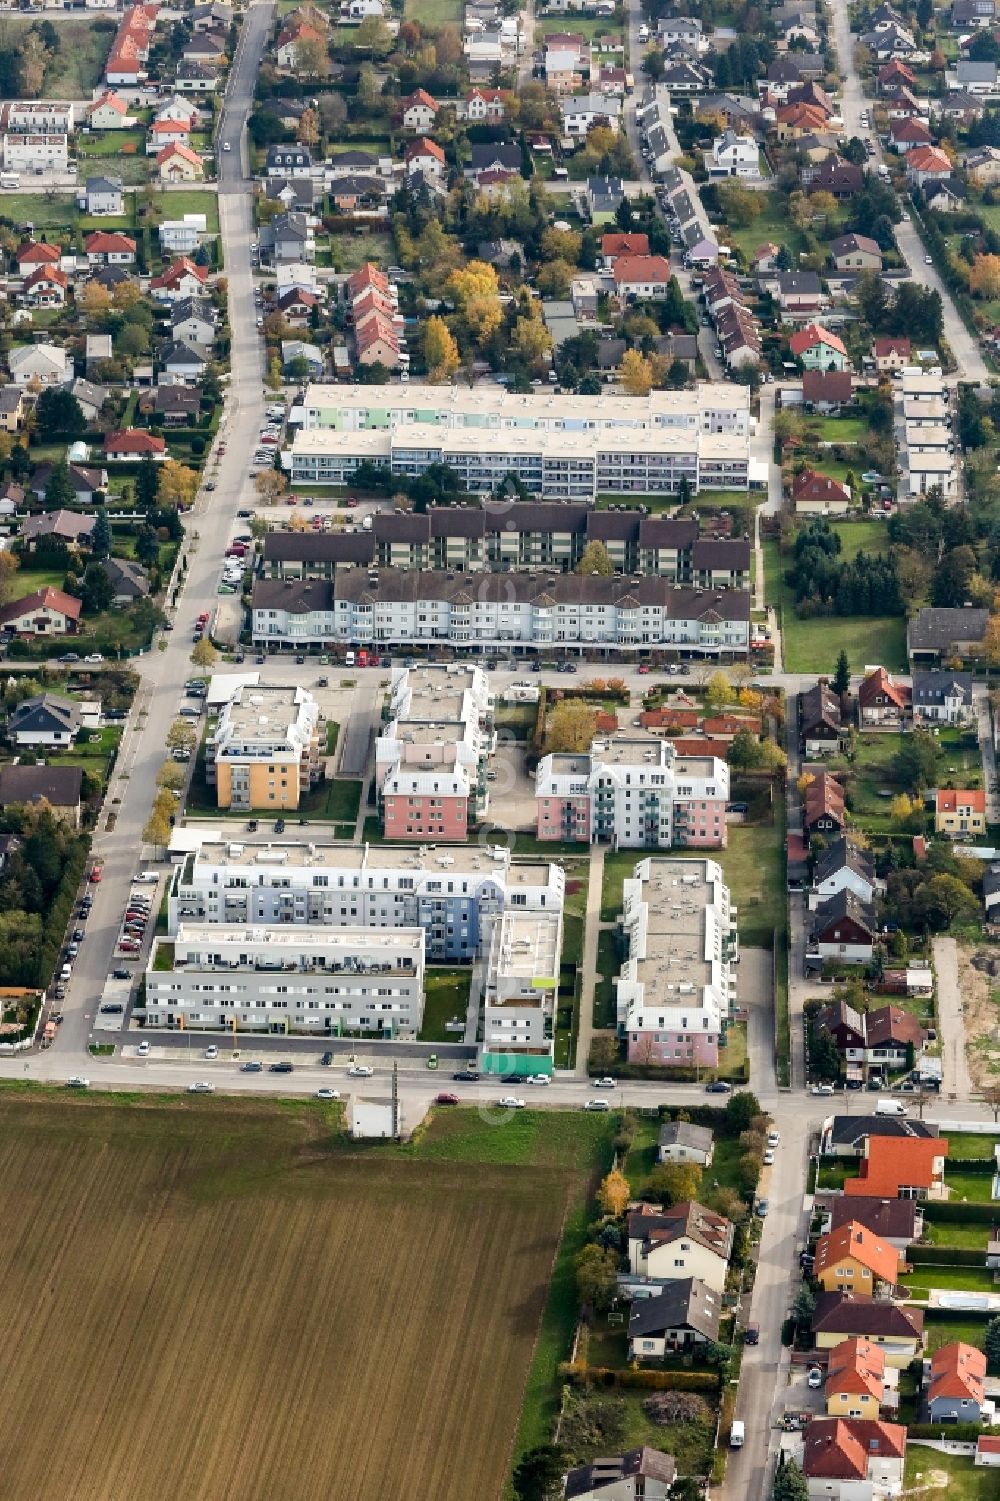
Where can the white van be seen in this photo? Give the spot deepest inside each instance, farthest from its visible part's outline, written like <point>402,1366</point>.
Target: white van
<point>890,1107</point>
<point>349,659</point>
<point>148,877</point>
<point>736,1434</point>
<point>65,973</point>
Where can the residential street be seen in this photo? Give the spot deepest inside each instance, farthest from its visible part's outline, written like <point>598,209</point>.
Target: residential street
<point>968,359</point>
<point>209,525</point>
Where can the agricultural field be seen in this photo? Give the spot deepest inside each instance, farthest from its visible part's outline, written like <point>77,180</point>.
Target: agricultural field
<point>221,1297</point>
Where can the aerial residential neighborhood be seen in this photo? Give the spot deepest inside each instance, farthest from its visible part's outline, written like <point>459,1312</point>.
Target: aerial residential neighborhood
<point>499,810</point>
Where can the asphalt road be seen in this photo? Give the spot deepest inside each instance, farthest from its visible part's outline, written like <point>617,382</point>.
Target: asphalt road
<point>209,526</point>
<point>968,358</point>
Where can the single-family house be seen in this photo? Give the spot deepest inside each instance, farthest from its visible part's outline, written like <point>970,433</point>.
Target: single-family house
<point>639,1475</point>
<point>855,253</point>
<point>844,928</point>
<point>859,1384</point>
<point>641,275</point>
<point>959,812</point>
<point>684,1315</point>
<point>942,697</point>
<point>821,727</point>
<point>897,1330</point>
<point>682,1141</point>
<point>182,278</point>
<point>12,409</point>
<point>818,348</point>
<point>47,286</point>
<point>90,396</point>
<point>131,443</point>
<point>193,320</point>
<point>901,1167</point>
<point>972,77</point>
<point>853,1259</point>
<point>418,111</point>
<point>58,787</point>
<point>424,156</point>
<point>823,804</point>
<point>183,361</point>
<point>686,1240</point>
<point>40,364</point>
<point>732,155</point>
<point>816,494</point>
<point>906,134</point>
<point>31,254</point>
<point>896,1221</point>
<point>956,1388</point>
<point>288,161</point>
<point>103,196</point>
<point>927,164</point>
<point>982,166</point>
<point>178,163</point>
<point>828,391</point>
<point>109,248</point>
<point>891,353</point>
<point>46,720</point>
<point>127,578</point>
<point>988,1450</point>
<point>844,865</point>
<point>852,1459</point>
<point>938,632</point>
<point>882,700</point>
<point>109,112</point>
<point>295,352</point>
<point>45,612</point>
<point>68,526</point>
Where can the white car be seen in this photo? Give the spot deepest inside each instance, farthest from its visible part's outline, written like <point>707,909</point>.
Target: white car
<point>226,146</point>
<point>201,1086</point>
<point>360,1071</point>
<point>606,1083</point>
<point>768,1158</point>
<point>928,260</point>
<point>93,658</point>
<point>773,1137</point>
<point>597,1105</point>
<point>77,1082</point>
<point>821,1089</point>
<point>510,1102</point>
<point>815,1377</point>
<point>538,1079</point>
<point>328,1094</point>
<point>211,1051</point>
<point>143,1048</point>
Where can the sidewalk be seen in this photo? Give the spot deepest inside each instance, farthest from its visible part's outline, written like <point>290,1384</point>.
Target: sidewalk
<point>592,925</point>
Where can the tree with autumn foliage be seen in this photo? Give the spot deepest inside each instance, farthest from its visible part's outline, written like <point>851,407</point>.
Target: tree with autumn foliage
<point>984,276</point>
<point>614,1193</point>
<point>441,354</point>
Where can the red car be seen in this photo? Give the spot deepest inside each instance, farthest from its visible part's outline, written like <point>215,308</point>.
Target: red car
<point>446,1099</point>
<point>643,670</point>
<point>97,871</point>
<point>352,502</point>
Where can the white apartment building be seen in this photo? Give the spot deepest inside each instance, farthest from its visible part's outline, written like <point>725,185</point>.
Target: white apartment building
<point>707,408</point>
<point>519,994</point>
<point>407,607</point>
<point>925,448</point>
<point>35,153</point>
<point>633,792</point>
<point>552,464</point>
<point>454,895</point>
<point>38,116</point>
<point>677,987</point>
<point>264,750</point>
<point>283,980</point>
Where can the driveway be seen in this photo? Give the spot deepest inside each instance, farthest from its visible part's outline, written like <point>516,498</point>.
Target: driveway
<point>956,1082</point>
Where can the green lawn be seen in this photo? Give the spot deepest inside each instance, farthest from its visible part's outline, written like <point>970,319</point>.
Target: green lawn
<point>187,201</point>
<point>773,224</point>
<point>945,1331</point>
<point>969,1279</point>
<point>860,536</point>
<point>351,251</point>
<point>958,1237</point>
<point>838,429</point>
<point>43,210</point>
<point>814,645</point>
<point>604,993</point>
<point>963,1145</point>
<point>446,996</point>
<point>965,1481</point>
<point>585,26</point>
<point>434,13</point>
<point>337,800</point>
<point>753,864</point>
<point>27,580</point>
<point>976,1188</point>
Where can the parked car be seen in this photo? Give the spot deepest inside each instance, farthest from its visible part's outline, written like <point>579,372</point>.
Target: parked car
<point>284,1067</point>
<point>511,1102</point>
<point>718,1086</point>
<point>360,1071</point>
<point>597,1105</point>
<point>251,1068</point>
<point>327,1094</point>
<point>822,1089</point>
<point>77,1082</point>
<point>606,1083</point>
<point>466,1075</point>
<point>143,1047</point>
<point>201,1086</point>
<point>446,1099</point>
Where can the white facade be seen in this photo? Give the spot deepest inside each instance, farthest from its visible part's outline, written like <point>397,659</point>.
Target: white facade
<point>641,788</point>
<point>455,895</point>
<point>733,155</point>
<point>281,980</point>
<point>679,980</point>
<point>36,153</point>
<point>522,981</point>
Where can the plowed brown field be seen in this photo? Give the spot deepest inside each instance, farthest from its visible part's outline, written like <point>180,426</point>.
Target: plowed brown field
<point>212,1302</point>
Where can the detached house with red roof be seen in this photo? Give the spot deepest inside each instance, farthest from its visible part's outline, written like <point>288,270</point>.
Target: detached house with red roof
<point>959,813</point>
<point>34,253</point>
<point>855,1259</point>
<point>901,1167</point>
<point>168,132</point>
<point>46,612</point>
<point>890,354</point>
<point>823,805</point>
<point>182,278</point>
<point>134,443</point>
<point>426,156</point>
<point>641,275</point>
<point>286,48</point>
<point>109,248</point>
<point>859,1383</point>
<point>955,1380</point>
<point>818,348</point>
<point>907,135</point>
<point>179,163</point>
<point>47,286</point>
<point>851,1459</point>
<point>881,699</point>
<point>418,111</point>
<point>926,164</point>
<point>817,494</point>
<point>614,245</point>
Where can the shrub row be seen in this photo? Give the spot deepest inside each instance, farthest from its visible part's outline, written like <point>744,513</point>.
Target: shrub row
<point>944,1256</point>
<point>963,1433</point>
<point>640,1380</point>
<point>59,913</point>
<point>956,1214</point>
<point>934,1315</point>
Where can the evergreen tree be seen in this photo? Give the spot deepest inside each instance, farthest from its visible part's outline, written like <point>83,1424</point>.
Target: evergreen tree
<point>147,485</point>
<point>789,1483</point>
<point>842,676</point>
<point>100,537</point>
<point>58,490</point>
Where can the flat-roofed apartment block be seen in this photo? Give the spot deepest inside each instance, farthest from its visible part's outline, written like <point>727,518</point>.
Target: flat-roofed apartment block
<point>264,751</point>
<point>283,980</point>
<point>519,994</point>
<point>677,988</point>
<point>431,759</point>
<point>633,792</point>
<point>707,407</point>
<point>554,465</point>
<point>404,608</point>
<point>455,896</point>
